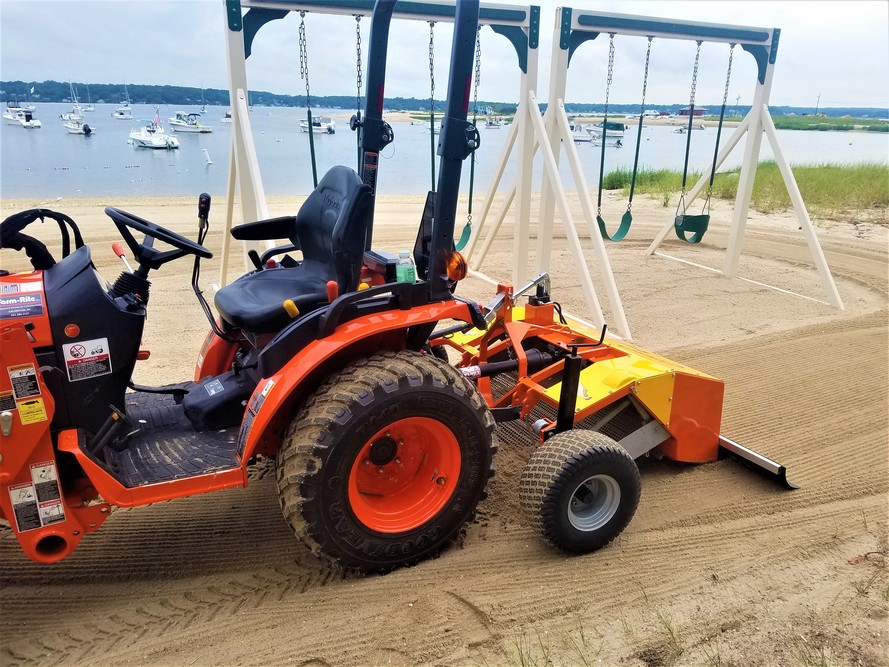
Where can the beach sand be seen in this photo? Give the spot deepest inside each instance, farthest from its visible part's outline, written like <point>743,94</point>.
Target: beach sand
<point>718,566</point>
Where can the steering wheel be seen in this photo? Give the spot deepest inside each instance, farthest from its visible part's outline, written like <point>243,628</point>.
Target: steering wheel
<point>145,253</point>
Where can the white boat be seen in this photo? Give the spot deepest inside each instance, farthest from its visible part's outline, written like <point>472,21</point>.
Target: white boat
<point>152,135</point>
<point>227,118</point>
<point>320,125</point>
<point>188,122</point>
<point>76,112</point>
<point>89,102</point>
<point>18,116</point>
<point>581,134</point>
<point>123,112</point>
<point>614,130</point>
<point>684,128</point>
<point>493,122</point>
<point>14,105</point>
<point>78,127</point>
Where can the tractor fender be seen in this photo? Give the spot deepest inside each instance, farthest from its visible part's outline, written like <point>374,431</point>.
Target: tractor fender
<point>276,398</point>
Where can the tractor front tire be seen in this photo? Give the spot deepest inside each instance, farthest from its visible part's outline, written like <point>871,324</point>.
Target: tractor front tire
<point>385,464</point>
<point>580,490</point>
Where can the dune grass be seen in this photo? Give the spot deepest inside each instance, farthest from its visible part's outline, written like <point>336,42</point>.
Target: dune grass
<point>853,192</point>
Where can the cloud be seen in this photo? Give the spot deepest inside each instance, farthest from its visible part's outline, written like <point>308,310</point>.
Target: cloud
<point>838,49</point>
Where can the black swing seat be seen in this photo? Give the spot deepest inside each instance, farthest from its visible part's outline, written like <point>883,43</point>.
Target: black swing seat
<point>330,230</point>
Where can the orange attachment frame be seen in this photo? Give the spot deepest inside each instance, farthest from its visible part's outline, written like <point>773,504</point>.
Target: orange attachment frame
<point>687,403</point>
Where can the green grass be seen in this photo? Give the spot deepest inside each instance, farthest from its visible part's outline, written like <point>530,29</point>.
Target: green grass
<point>824,123</point>
<point>859,191</point>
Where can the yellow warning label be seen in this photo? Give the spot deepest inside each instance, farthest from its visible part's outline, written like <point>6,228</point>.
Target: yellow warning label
<point>32,411</point>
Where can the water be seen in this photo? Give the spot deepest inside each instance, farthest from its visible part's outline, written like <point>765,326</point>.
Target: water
<point>50,163</point>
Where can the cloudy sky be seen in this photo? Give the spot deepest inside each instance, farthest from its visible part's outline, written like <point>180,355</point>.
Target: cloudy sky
<point>838,49</point>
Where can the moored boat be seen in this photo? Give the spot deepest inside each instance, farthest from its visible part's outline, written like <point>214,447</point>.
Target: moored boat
<point>152,135</point>
<point>320,125</point>
<point>188,122</point>
<point>78,127</point>
<point>18,116</point>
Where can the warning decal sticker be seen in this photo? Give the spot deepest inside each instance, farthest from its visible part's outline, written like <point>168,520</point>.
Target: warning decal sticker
<point>46,481</point>
<point>46,487</point>
<point>39,502</point>
<point>87,359</point>
<point>24,381</point>
<point>214,387</point>
<point>7,402</point>
<point>32,411</point>
<point>15,306</point>
<point>24,506</point>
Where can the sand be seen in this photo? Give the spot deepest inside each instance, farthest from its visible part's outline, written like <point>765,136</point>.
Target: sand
<point>717,568</point>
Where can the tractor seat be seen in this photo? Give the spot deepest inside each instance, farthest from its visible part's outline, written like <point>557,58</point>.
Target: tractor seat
<point>330,229</point>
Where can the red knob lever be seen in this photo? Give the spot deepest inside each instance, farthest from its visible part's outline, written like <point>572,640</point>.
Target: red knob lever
<point>119,252</point>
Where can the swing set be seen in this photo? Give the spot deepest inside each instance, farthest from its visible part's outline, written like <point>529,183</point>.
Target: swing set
<point>689,227</point>
<point>546,134</point>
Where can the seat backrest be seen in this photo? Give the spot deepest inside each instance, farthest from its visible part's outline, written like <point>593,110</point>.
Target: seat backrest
<point>331,226</point>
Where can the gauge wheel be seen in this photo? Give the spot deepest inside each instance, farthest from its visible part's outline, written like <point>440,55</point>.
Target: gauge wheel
<point>385,464</point>
<point>580,489</point>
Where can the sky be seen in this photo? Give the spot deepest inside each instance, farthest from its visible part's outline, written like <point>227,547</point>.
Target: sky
<point>836,49</point>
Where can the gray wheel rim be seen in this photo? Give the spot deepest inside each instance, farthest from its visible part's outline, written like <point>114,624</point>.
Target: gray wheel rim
<point>594,502</point>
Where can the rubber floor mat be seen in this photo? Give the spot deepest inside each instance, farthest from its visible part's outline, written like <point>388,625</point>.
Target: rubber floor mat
<point>167,447</point>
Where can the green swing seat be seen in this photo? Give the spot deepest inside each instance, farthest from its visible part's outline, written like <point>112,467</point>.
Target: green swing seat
<point>695,225</point>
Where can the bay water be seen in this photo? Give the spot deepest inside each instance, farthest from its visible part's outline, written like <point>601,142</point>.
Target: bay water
<point>49,163</point>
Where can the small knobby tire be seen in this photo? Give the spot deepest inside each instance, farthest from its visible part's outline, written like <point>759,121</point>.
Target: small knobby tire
<point>580,490</point>
<point>385,463</point>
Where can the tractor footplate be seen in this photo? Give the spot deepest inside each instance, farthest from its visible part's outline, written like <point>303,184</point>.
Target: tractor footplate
<point>759,463</point>
<point>167,447</point>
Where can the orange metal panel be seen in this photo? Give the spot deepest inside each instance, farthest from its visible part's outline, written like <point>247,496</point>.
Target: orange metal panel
<point>276,404</point>
<point>695,419</point>
<point>216,356</point>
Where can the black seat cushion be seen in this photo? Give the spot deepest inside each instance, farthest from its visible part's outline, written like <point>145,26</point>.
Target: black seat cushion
<point>330,229</point>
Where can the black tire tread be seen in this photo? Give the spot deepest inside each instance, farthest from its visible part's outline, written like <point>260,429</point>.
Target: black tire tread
<point>549,468</point>
<point>306,438</point>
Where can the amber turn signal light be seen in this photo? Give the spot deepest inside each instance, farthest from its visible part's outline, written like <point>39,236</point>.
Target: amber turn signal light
<point>457,267</point>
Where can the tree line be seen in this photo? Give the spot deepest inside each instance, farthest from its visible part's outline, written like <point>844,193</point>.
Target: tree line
<point>113,93</point>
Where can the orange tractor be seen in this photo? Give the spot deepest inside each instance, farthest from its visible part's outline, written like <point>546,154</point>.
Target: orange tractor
<point>383,446</point>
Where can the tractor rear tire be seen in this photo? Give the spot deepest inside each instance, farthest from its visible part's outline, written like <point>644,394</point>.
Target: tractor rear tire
<point>580,490</point>
<point>385,464</point>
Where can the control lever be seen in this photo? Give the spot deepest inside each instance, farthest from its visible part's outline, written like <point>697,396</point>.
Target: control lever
<point>119,252</point>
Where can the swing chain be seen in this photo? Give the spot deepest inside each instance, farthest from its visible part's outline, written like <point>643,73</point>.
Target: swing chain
<point>694,76</point>
<point>728,76</point>
<point>691,105</point>
<point>610,70</point>
<point>478,67</point>
<point>605,119</point>
<point>303,58</point>
<point>358,55</point>
<point>641,115</point>
<point>645,75</point>
<point>432,66</point>
<point>728,79</point>
<point>478,78</point>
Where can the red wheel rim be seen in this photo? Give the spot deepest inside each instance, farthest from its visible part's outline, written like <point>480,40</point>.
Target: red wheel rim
<point>404,475</point>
